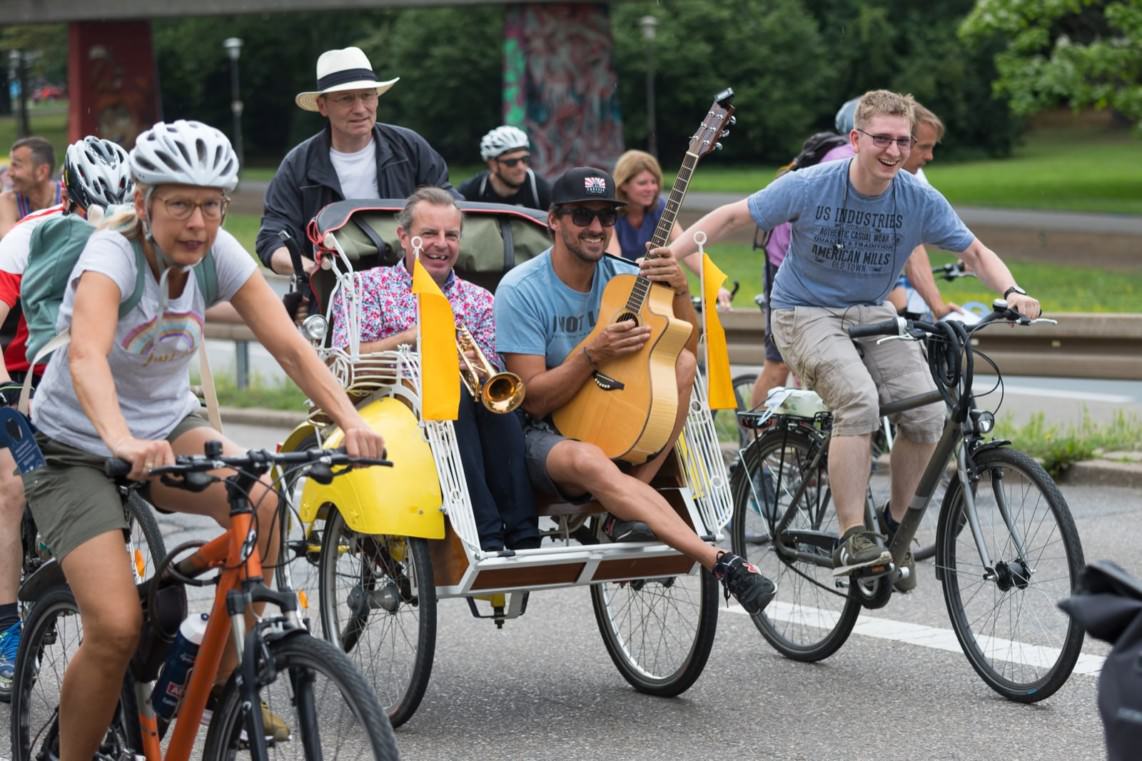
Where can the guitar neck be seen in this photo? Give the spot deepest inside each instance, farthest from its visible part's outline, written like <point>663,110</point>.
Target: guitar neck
<point>677,194</point>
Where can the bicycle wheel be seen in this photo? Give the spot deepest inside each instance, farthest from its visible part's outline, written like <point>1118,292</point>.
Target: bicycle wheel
<point>725,421</point>
<point>1006,617</point>
<point>658,632</point>
<point>813,613</point>
<point>145,542</point>
<point>52,634</point>
<point>378,604</point>
<point>924,543</point>
<point>329,708</point>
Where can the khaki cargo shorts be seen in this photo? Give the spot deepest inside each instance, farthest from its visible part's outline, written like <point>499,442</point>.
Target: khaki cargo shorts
<point>71,500</point>
<point>818,349</point>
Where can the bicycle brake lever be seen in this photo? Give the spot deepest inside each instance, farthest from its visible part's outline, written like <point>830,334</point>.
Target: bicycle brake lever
<point>1046,320</point>
<point>321,473</point>
<point>896,338</point>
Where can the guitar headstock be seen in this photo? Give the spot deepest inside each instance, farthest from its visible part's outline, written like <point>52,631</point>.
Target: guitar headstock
<point>715,126</point>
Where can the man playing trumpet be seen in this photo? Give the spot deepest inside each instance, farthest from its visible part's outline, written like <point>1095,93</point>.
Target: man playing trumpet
<point>501,494</point>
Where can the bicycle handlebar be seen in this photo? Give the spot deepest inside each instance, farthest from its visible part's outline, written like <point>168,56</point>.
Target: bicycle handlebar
<point>189,471</point>
<point>900,326</point>
<point>894,326</point>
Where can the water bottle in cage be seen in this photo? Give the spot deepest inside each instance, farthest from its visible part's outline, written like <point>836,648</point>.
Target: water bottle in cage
<point>177,667</point>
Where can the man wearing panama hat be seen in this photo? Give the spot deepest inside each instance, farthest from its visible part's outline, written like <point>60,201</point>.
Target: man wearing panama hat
<point>353,157</point>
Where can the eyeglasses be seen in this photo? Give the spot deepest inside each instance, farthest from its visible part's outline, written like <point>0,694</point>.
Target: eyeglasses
<point>582,216</point>
<point>883,141</point>
<point>516,160</point>
<point>182,209</point>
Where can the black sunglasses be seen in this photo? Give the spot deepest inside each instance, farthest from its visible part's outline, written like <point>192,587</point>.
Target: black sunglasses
<point>582,216</point>
<point>516,160</point>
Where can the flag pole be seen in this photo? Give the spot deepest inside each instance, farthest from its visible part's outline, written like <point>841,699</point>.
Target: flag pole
<point>700,240</point>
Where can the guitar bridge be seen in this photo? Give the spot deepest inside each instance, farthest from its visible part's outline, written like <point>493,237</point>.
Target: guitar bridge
<point>607,383</point>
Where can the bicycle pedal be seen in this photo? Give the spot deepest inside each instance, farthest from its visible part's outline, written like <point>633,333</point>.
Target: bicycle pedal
<point>865,572</point>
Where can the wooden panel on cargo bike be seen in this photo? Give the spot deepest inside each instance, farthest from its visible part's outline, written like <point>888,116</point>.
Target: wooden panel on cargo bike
<point>629,568</point>
<point>447,557</point>
<point>529,576</point>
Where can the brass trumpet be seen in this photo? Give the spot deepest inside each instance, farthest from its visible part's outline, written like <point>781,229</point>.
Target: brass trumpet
<point>498,392</point>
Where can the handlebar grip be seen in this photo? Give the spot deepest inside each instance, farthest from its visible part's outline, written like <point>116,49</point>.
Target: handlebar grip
<point>891,327</point>
<point>116,467</point>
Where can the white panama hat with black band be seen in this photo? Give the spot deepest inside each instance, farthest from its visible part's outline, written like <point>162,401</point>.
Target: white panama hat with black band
<point>339,70</point>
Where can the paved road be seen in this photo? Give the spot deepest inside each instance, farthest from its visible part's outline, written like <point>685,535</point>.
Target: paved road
<point>544,688</point>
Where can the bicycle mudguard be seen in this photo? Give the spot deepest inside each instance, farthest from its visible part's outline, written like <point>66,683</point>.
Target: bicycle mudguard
<point>46,577</point>
<point>403,500</point>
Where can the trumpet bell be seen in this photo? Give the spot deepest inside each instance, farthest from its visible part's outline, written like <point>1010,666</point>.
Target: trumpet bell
<point>502,393</point>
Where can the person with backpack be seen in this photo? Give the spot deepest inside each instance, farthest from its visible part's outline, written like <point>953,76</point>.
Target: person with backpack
<point>818,148</point>
<point>95,175</point>
<point>120,387</point>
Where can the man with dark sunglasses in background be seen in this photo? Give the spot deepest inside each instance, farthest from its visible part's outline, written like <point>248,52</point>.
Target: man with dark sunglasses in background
<point>543,309</point>
<point>509,178</point>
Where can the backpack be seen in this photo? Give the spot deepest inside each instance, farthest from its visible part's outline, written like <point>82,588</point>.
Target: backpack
<point>52,253</point>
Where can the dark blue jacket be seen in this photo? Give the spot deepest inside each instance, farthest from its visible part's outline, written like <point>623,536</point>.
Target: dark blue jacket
<point>306,181</point>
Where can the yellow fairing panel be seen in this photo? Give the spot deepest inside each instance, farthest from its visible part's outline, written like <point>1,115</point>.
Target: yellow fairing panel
<point>403,500</point>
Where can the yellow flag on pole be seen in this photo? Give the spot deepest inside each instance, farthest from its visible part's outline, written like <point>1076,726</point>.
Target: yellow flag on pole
<point>439,358</point>
<point>720,386</point>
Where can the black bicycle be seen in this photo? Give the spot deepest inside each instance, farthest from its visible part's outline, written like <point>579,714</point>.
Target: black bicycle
<point>1006,546</point>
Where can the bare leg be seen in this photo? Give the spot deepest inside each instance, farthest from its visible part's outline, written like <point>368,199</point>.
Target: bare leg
<point>849,462</point>
<point>773,374</point>
<point>898,298</point>
<point>11,512</point>
<point>908,461</point>
<point>685,371</point>
<point>99,573</point>
<point>581,466</point>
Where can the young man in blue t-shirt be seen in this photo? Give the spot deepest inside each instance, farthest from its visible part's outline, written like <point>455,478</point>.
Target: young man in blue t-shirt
<point>854,225</point>
<point>543,309</point>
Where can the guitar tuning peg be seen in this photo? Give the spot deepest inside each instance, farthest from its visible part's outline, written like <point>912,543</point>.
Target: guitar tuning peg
<point>725,133</point>
<point>717,146</point>
<point>733,120</point>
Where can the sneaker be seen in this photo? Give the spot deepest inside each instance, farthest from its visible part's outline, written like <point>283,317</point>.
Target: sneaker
<point>627,531</point>
<point>750,588</point>
<point>860,549</point>
<point>907,580</point>
<point>9,645</point>
<point>277,730</point>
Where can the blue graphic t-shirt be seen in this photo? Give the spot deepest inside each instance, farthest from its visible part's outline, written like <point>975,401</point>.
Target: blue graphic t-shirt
<point>538,314</point>
<point>847,248</point>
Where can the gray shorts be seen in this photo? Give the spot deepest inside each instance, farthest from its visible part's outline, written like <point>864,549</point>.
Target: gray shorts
<point>539,437</point>
<point>819,351</point>
<point>71,500</point>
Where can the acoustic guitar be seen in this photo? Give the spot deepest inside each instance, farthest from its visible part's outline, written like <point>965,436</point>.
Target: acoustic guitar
<point>630,409</point>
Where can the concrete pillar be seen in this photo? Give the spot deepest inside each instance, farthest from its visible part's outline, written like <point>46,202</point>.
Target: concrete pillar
<point>112,80</point>
<point>560,84</point>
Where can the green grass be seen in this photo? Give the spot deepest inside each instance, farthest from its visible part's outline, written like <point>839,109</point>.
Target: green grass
<point>261,393</point>
<point>1057,447</point>
<point>1060,288</point>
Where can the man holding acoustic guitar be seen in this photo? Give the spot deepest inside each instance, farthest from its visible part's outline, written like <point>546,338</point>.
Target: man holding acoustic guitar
<point>855,223</point>
<point>553,330</point>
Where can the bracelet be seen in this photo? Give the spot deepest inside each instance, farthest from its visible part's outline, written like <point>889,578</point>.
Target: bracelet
<point>590,361</point>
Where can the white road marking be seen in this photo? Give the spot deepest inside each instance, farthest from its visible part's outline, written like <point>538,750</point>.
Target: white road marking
<point>928,636</point>
<point>1083,396</point>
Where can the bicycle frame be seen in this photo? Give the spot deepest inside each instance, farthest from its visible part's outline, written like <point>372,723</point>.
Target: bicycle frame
<point>236,555</point>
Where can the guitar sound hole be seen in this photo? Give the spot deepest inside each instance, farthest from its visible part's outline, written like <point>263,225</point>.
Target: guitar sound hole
<point>628,316</point>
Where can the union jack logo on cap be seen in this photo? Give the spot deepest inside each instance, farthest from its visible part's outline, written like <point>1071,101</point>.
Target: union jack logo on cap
<point>595,184</point>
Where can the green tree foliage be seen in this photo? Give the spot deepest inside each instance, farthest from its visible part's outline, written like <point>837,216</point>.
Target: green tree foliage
<point>1084,53</point>
<point>771,54</point>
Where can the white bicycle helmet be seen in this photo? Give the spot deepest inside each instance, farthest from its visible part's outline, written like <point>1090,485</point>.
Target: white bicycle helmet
<point>184,153</point>
<point>96,173</point>
<point>501,140</point>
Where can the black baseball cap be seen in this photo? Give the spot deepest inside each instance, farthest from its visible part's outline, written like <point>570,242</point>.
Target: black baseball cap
<point>584,183</point>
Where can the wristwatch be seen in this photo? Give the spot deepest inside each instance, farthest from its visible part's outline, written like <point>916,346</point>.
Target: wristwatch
<point>1014,289</point>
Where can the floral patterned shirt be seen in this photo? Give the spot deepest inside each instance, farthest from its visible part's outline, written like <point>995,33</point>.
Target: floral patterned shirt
<point>388,307</point>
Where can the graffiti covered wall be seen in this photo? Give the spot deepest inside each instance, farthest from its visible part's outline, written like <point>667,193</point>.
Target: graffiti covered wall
<point>112,80</point>
<point>560,84</point>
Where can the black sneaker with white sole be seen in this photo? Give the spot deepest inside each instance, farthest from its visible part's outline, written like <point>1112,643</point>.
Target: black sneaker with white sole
<point>750,588</point>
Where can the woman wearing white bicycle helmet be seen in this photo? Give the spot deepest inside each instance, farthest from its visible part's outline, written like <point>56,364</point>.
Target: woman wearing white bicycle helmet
<point>508,178</point>
<point>135,307</point>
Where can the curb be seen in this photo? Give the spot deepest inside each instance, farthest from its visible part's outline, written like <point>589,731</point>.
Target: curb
<point>261,416</point>
<point>1086,473</point>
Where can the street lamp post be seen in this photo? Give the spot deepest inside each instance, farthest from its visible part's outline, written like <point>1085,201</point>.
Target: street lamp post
<point>18,73</point>
<point>233,47</point>
<point>649,26</point>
